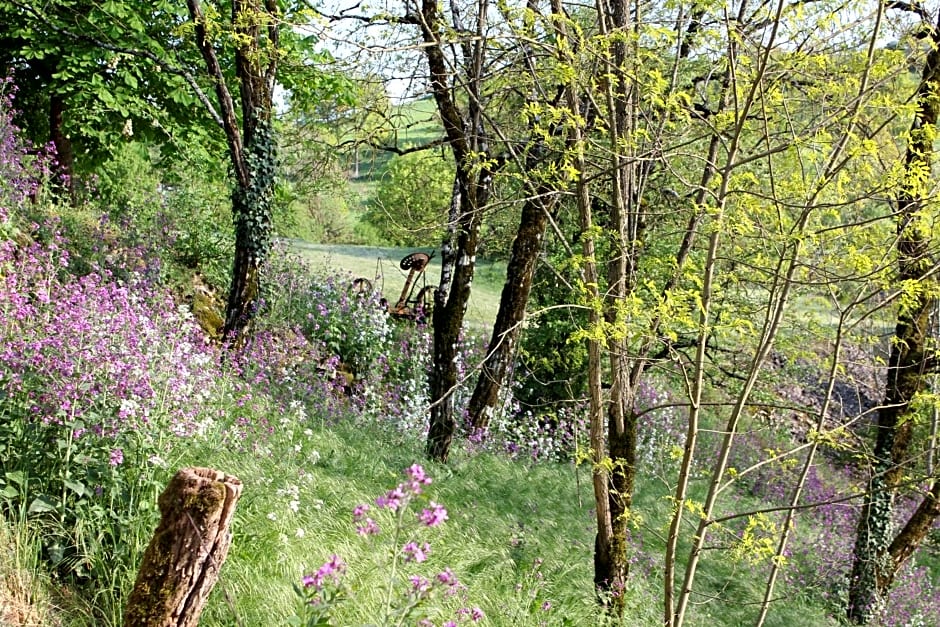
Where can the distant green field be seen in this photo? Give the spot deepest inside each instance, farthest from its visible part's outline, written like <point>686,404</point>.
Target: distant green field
<point>380,265</point>
<point>414,123</point>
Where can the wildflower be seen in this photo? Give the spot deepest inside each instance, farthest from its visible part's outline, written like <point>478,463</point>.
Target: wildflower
<point>417,478</point>
<point>415,553</point>
<point>547,605</point>
<point>448,578</point>
<point>359,511</point>
<point>332,569</point>
<point>476,614</point>
<point>434,516</point>
<point>419,585</point>
<point>368,528</point>
<point>117,457</point>
<point>392,499</point>
<point>300,532</point>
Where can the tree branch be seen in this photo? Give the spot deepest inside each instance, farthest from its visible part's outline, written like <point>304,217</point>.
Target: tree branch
<point>145,54</point>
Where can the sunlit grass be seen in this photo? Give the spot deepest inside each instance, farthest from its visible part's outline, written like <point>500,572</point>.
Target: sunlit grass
<point>380,266</point>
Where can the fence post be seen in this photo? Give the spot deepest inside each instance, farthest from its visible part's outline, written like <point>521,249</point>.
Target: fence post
<point>181,564</point>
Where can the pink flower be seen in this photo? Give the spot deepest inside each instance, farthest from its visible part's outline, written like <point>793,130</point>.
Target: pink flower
<point>392,499</point>
<point>415,553</point>
<point>359,511</point>
<point>368,528</point>
<point>117,457</point>
<point>448,578</point>
<point>419,585</point>
<point>434,516</point>
<point>417,478</point>
<point>331,569</point>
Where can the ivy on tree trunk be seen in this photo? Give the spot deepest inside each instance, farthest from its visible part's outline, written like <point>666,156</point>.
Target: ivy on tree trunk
<point>878,556</point>
<point>251,147</point>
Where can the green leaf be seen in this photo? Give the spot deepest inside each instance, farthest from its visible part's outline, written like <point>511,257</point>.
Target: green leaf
<point>16,477</point>
<point>76,487</point>
<point>41,504</point>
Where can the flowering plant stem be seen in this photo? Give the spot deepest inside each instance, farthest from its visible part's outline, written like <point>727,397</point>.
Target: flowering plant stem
<point>399,514</point>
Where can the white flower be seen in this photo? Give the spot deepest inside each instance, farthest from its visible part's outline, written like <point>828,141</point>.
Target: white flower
<point>300,532</point>
<point>272,516</point>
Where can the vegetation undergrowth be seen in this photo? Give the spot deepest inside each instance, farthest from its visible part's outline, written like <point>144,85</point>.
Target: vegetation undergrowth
<point>108,385</point>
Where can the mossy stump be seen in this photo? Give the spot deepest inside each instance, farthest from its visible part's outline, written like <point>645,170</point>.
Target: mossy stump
<point>182,562</point>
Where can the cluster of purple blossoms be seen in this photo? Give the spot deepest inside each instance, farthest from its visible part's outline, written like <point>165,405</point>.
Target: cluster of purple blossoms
<point>365,526</point>
<point>331,570</point>
<point>434,515</point>
<point>414,553</point>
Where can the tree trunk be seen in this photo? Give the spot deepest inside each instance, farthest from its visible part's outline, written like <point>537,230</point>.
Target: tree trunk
<point>65,156</point>
<point>181,565</point>
<point>472,186</point>
<point>251,148</point>
<point>512,306</point>
<point>448,321</point>
<point>877,558</point>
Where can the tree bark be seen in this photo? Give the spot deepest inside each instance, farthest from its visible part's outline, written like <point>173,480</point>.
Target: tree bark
<point>181,565</point>
<point>512,307</point>
<point>65,156</point>
<point>251,148</point>
<point>473,183</point>
<point>877,557</point>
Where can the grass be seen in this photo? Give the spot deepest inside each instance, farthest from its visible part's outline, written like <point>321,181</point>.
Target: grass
<point>380,265</point>
<point>24,599</point>
<point>503,517</point>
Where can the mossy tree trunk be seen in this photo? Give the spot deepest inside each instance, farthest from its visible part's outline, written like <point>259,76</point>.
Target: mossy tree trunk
<point>512,308</point>
<point>251,146</point>
<point>878,556</point>
<point>181,565</point>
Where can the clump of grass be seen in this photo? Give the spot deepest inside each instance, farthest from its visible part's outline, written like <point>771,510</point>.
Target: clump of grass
<point>24,594</point>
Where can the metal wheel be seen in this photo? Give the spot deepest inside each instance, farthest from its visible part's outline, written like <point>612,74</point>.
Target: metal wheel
<point>361,285</point>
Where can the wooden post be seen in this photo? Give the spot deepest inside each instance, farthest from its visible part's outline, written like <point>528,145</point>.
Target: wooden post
<point>182,562</point>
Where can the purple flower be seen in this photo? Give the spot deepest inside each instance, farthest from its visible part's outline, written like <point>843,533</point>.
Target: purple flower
<point>332,569</point>
<point>415,553</point>
<point>476,614</point>
<point>417,478</point>
<point>434,516</point>
<point>359,511</point>
<point>447,578</point>
<point>117,457</point>
<point>392,499</point>
<point>368,528</point>
<point>419,585</point>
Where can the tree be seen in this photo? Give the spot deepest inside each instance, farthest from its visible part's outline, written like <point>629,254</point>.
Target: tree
<point>879,554</point>
<point>465,130</point>
<point>247,48</point>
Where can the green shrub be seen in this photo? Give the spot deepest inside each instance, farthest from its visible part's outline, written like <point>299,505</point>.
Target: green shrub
<point>411,201</point>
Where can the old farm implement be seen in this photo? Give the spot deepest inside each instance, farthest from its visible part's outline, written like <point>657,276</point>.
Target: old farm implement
<point>410,306</point>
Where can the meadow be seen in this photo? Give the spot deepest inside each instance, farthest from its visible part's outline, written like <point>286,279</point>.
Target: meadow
<point>108,385</point>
